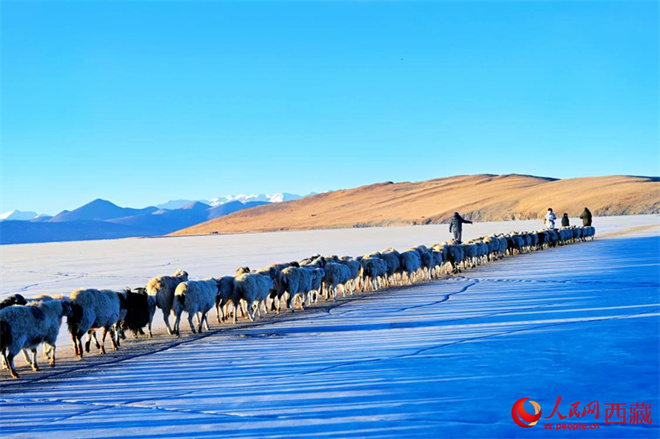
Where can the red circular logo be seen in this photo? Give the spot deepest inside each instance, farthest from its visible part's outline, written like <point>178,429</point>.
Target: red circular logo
<point>520,415</point>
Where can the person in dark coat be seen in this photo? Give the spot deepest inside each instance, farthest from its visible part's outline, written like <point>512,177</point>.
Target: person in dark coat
<point>456,226</point>
<point>586,218</point>
<point>564,220</point>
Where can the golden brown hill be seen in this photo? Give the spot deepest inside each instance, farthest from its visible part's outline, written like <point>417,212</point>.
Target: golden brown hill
<point>477,197</point>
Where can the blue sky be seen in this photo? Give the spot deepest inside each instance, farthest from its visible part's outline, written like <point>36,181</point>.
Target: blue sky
<point>141,102</point>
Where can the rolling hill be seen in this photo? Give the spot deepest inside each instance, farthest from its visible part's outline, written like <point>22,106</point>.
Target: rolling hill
<point>478,197</point>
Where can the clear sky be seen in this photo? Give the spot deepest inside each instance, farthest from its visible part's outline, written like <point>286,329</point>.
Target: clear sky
<point>142,102</point>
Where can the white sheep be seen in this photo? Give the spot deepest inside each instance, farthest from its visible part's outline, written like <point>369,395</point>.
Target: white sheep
<point>296,282</point>
<point>196,297</point>
<point>336,275</point>
<point>253,289</point>
<point>26,327</point>
<point>92,309</point>
<point>161,294</point>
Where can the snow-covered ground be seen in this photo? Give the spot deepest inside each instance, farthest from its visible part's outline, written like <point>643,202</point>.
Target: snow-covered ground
<point>441,359</point>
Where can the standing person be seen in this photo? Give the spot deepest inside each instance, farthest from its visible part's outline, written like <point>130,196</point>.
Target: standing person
<point>456,226</point>
<point>564,220</point>
<point>586,218</point>
<point>549,219</point>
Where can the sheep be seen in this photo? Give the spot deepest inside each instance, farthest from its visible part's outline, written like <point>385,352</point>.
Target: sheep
<point>589,232</point>
<point>317,261</point>
<point>92,309</point>
<point>14,299</point>
<point>393,260</point>
<point>411,261</point>
<point>161,294</point>
<point>136,315</point>
<point>471,254</point>
<point>438,261</point>
<point>443,249</point>
<point>196,298</point>
<point>317,283</point>
<point>336,275</point>
<point>241,270</point>
<point>455,255</point>
<point>18,299</point>
<point>226,294</point>
<point>543,240</point>
<point>274,271</point>
<point>295,282</point>
<point>25,327</point>
<point>253,289</point>
<point>427,260</point>
<point>355,266</point>
<point>374,271</point>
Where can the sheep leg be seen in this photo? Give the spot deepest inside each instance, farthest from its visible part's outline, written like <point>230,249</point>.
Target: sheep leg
<point>118,334</point>
<point>190,322</point>
<point>220,309</point>
<point>103,334</point>
<point>74,339</point>
<point>51,349</point>
<point>166,318</point>
<point>205,320</point>
<point>175,328</point>
<point>114,337</point>
<point>10,362</point>
<point>35,367</point>
<point>152,312</point>
<point>26,356</point>
<point>249,312</point>
<point>88,339</point>
<point>31,361</point>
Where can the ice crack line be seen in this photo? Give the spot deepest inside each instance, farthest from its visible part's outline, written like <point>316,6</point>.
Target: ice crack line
<point>576,282</point>
<point>444,299</point>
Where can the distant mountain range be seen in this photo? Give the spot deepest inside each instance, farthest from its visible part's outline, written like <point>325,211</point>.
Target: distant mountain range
<point>102,219</point>
<point>484,197</point>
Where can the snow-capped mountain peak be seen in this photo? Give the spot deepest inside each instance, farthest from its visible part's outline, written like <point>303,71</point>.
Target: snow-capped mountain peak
<point>245,198</point>
<point>18,215</point>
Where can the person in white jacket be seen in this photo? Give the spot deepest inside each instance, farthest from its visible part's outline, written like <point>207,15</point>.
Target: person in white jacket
<point>549,219</point>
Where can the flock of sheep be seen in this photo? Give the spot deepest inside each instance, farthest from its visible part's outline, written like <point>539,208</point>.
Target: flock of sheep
<point>27,323</point>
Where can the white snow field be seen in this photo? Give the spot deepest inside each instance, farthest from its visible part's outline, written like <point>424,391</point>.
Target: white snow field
<point>447,358</point>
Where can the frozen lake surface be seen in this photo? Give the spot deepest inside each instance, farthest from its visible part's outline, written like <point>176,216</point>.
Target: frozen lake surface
<point>441,359</point>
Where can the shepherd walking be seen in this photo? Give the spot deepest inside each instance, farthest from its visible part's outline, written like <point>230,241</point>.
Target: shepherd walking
<point>586,218</point>
<point>456,226</point>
